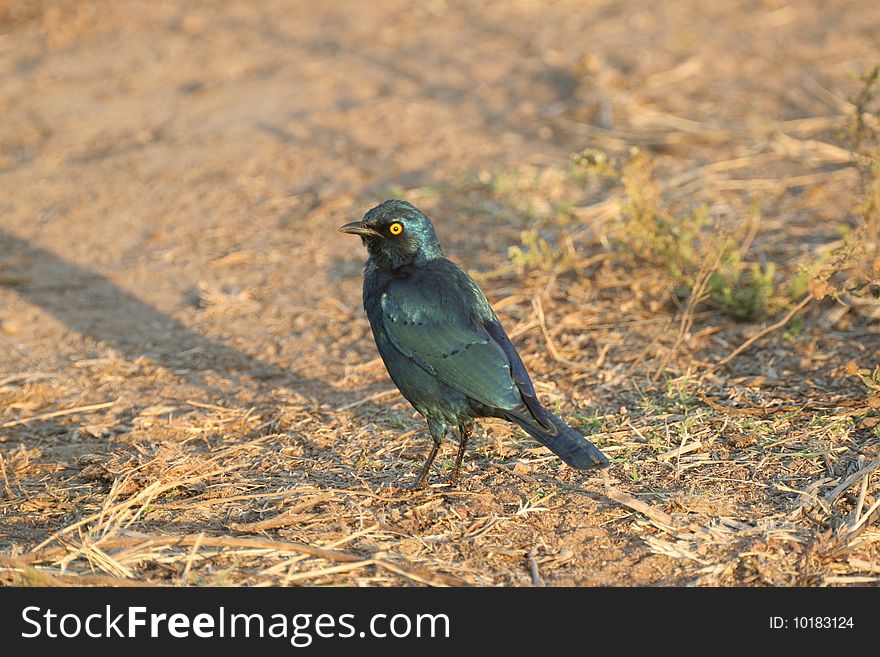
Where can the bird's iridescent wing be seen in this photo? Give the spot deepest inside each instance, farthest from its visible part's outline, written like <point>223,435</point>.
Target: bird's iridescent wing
<point>440,324</point>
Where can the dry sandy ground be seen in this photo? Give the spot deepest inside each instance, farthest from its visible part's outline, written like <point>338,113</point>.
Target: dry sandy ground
<point>189,393</point>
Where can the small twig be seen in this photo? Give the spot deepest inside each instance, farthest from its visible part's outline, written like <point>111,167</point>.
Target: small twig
<point>342,568</point>
<point>192,556</point>
<point>849,579</point>
<point>680,451</point>
<point>210,407</point>
<point>375,397</point>
<point>744,411</point>
<point>806,496</point>
<point>67,411</point>
<point>656,515</point>
<point>774,184</point>
<point>551,346</point>
<point>760,334</point>
<point>697,295</point>
<point>6,486</point>
<point>430,579</point>
<point>143,541</point>
<point>864,565</point>
<point>865,518</point>
<point>40,577</point>
<point>289,517</point>
<point>861,503</point>
<point>533,568</point>
<point>213,501</point>
<point>849,481</point>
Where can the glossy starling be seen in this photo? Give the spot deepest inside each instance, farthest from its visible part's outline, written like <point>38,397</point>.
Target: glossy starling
<point>442,343</point>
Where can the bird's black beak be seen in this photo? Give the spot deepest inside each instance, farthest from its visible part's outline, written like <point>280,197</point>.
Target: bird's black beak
<point>359,228</point>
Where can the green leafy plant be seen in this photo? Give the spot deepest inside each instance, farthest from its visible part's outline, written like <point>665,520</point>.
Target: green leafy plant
<point>681,243</point>
<point>744,293</point>
<point>534,252</point>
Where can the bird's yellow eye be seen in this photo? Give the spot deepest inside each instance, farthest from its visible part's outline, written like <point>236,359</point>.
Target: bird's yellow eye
<point>396,228</point>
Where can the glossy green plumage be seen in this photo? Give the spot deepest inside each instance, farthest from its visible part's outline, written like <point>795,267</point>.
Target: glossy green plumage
<point>442,333</point>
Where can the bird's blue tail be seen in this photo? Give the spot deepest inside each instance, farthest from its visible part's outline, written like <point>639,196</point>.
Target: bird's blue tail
<point>565,442</point>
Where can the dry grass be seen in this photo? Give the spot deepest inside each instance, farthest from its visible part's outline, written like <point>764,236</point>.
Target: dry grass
<point>213,413</point>
<point>756,493</point>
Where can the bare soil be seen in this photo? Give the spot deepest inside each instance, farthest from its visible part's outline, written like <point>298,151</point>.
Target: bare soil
<point>189,392</point>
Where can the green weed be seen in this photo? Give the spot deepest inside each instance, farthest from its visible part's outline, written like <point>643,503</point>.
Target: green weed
<point>682,243</point>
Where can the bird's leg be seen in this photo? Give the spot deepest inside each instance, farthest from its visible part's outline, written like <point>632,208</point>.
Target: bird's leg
<point>464,432</point>
<point>420,480</point>
<point>438,430</point>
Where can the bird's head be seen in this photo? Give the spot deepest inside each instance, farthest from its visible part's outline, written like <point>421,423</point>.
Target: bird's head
<point>396,233</point>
